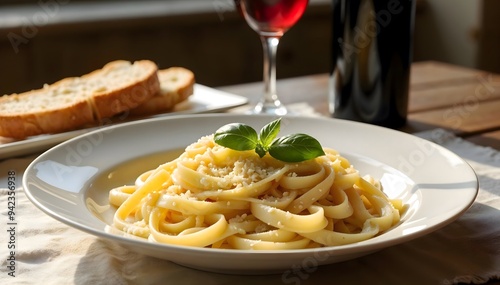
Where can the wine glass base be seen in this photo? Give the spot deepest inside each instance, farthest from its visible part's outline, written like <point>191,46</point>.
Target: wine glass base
<point>270,109</point>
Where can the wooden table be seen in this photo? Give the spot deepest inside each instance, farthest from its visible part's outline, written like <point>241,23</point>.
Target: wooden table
<point>462,100</point>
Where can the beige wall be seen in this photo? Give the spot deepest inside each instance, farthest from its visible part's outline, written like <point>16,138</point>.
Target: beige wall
<point>447,31</point>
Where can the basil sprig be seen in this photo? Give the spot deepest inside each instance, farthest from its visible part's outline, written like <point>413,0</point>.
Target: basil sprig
<point>290,148</point>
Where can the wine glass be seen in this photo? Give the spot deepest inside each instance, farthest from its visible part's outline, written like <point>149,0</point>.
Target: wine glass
<point>270,19</point>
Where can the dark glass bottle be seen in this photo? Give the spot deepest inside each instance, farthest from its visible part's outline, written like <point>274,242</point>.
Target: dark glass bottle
<point>371,58</point>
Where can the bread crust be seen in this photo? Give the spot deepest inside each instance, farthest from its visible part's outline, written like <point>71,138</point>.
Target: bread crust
<point>50,120</point>
<point>67,119</point>
<point>176,85</point>
<point>109,104</point>
<point>17,126</point>
<point>89,109</point>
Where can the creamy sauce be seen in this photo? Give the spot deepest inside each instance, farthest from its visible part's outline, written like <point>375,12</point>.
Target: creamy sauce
<point>122,174</point>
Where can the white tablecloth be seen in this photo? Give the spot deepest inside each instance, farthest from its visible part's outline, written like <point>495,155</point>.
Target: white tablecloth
<point>467,250</point>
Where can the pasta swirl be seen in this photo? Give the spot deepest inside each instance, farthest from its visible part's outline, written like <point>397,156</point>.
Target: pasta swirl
<point>212,196</point>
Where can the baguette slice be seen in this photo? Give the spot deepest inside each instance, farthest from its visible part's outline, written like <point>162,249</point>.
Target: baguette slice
<point>77,101</point>
<point>176,85</point>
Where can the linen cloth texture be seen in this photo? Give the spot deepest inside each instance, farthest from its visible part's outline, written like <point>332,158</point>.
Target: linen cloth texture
<point>467,250</point>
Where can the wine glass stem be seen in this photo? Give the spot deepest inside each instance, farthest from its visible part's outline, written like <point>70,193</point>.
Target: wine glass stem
<point>270,102</point>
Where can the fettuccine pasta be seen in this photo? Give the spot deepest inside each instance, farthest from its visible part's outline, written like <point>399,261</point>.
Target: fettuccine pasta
<point>212,196</point>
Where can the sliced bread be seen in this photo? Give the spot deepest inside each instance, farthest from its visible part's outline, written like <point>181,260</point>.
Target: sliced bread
<point>176,85</point>
<point>77,101</point>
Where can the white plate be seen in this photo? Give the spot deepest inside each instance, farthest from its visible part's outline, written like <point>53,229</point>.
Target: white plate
<point>437,185</point>
<point>203,100</point>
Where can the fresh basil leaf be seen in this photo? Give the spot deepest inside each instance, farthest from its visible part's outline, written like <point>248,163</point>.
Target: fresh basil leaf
<point>269,132</point>
<point>260,150</point>
<point>295,148</point>
<point>237,136</point>
<point>291,148</point>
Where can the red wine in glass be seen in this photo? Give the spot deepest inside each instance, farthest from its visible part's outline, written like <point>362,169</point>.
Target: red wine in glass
<point>273,16</point>
<point>271,19</point>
